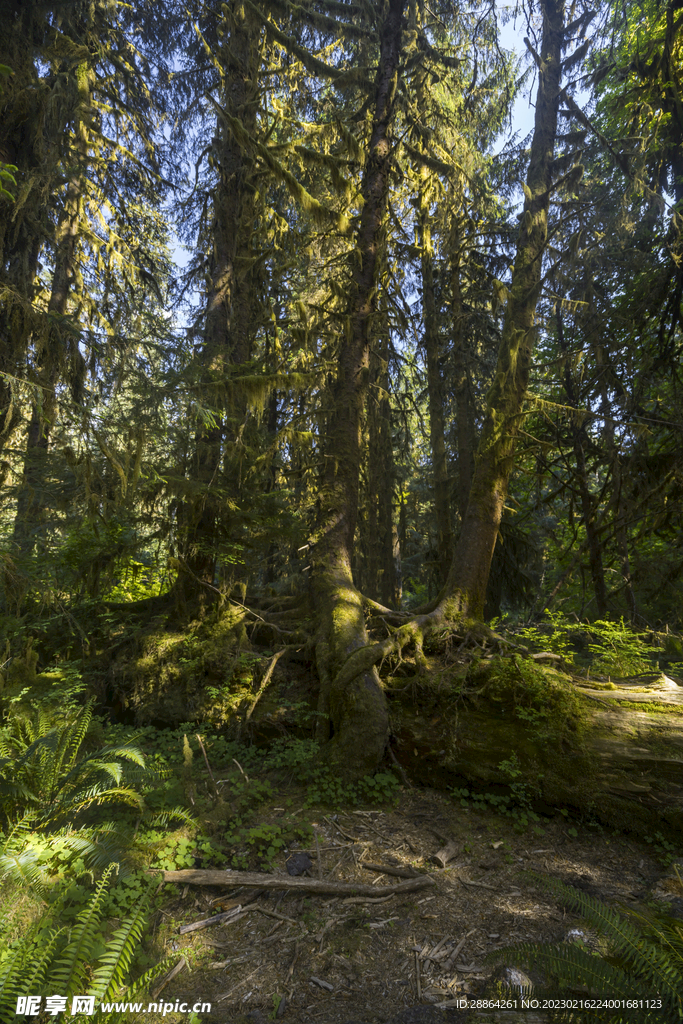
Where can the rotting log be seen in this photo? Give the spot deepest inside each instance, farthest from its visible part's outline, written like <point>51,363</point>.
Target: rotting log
<point>314,886</point>
<point>620,760</point>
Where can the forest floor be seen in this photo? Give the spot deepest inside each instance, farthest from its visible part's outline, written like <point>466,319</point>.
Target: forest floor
<point>253,791</point>
<point>361,960</point>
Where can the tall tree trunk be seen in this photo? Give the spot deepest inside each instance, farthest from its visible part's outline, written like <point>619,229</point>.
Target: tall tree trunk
<point>31,500</point>
<point>463,405</point>
<point>355,712</point>
<point>617,506</point>
<point>272,348</point>
<point>437,436</point>
<point>227,324</point>
<point>370,535</point>
<point>382,541</point>
<point>466,585</point>
<point>578,433</point>
<point>22,232</point>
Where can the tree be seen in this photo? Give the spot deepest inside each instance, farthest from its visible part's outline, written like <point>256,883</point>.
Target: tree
<point>465,589</point>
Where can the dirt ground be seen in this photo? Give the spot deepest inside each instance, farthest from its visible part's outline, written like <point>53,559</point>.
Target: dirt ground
<point>339,960</point>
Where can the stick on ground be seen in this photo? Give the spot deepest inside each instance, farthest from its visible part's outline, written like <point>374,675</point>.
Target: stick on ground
<point>390,869</point>
<point>207,876</point>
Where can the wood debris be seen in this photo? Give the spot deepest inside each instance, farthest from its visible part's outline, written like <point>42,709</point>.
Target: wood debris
<point>209,876</point>
<point>182,963</point>
<point>448,852</point>
<point>390,869</point>
<point>322,984</point>
<point>208,922</point>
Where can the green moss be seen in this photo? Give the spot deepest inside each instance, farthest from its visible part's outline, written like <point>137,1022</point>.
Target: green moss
<point>652,706</point>
<point>205,673</point>
<point>543,698</point>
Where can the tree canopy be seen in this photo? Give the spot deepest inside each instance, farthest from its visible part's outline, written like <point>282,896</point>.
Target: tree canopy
<point>293,330</point>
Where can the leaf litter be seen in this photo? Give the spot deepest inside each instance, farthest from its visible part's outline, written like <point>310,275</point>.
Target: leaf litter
<point>364,959</point>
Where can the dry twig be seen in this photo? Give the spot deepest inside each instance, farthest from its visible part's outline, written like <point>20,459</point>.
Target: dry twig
<point>168,977</point>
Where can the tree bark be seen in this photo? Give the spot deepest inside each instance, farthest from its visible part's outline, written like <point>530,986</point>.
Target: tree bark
<point>437,434</point>
<point>463,405</point>
<point>578,433</point>
<point>227,321</point>
<point>465,588</point>
<point>22,232</point>
<point>31,500</point>
<point>355,716</point>
<point>383,582</point>
<point>617,507</point>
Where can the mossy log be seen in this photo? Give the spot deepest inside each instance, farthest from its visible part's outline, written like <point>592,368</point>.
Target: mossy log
<point>615,754</point>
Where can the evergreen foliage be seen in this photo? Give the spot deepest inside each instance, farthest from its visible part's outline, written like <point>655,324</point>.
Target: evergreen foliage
<point>640,961</point>
<point>345,347</point>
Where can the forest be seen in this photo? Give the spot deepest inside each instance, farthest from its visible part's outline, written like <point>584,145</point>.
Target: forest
<point>341,458</point>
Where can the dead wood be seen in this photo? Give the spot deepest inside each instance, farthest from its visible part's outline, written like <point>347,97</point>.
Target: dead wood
<point>273,913</point>
<point>208,922</point>
<point>264,682</point>
<point>368,899</point>
<point>168,977</point>
<point>207,876</point>
<point>448,852</point>
<point>390,869</point>
<point>476,885</point>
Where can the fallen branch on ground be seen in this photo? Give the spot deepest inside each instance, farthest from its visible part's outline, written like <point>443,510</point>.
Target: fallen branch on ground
<point>390,869</point>
<point>207,876</point>
<point>208,922</point>
<point>168,977</point>
<point>264,682</point>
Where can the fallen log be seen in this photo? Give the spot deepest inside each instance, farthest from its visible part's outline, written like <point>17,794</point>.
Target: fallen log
<point>556,740</point>
<point>314,886</point>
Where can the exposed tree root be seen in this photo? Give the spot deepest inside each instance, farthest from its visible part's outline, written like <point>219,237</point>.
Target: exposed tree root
<point>473,633</point>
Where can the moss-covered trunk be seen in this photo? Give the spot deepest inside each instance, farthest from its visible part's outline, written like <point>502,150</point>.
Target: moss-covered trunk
<point>550,740</point>
<point>355,718</point>
<point>461,384</point>
<point>32,501</point>
<point>437,432</point>
<point>228,320</point>
<point>588,502</point>
<point>24,228</point>
<point>466,585</point>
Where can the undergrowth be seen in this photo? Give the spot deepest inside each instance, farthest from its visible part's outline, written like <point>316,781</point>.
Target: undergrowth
<point>609,648</point>
<point>70,950</point>
<point>636,964</point>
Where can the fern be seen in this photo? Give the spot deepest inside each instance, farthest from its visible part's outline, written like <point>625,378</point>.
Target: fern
<point>50,958</point>
<point>70,972</point>
<point>115,963</point>
<point>640,963</point>
<point>46,786</point>
<point>40,767</point>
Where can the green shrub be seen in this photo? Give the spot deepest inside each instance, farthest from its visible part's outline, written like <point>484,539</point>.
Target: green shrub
<point>619,650</point>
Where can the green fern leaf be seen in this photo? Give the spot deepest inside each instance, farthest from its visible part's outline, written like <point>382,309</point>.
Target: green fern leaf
<point>122,946</point>
<point>69,973</point>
